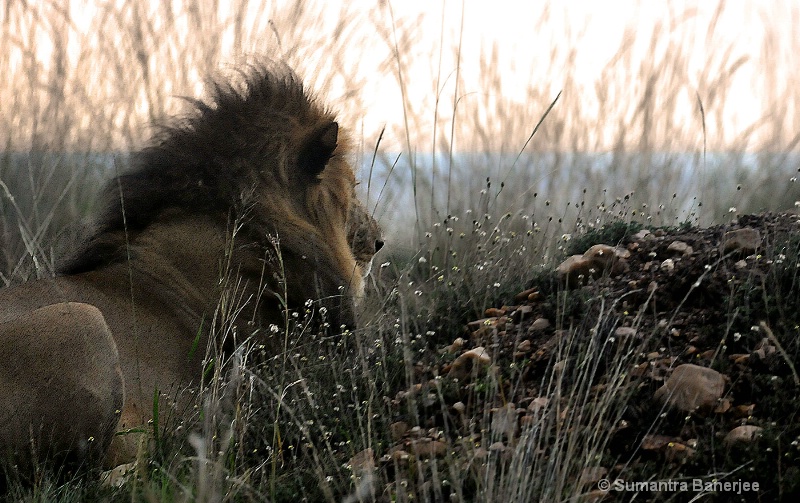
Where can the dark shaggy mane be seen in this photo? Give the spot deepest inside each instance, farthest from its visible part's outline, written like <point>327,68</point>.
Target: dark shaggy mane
<point>204,164</point>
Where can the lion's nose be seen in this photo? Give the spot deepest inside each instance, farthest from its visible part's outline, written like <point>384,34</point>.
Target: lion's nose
<point>378,245</point>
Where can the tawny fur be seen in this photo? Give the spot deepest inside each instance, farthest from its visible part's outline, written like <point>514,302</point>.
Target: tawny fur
<point>251,191</point>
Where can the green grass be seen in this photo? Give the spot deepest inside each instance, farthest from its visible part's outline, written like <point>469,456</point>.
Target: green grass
<point>280,419</point>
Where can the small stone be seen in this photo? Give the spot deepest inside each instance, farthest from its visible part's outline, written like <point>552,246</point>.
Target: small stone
<point>575,270</point>
<point>459,407</point>
<point>622,253</point>
<point>740,264</point>
<point>692,387</point>
<point>680,248</point>
<point>480,453</point>
<point>456,346</point>
<point>746,433</point>
<point>362,462</point>
<point>399,455</point>
<point>625,332</point>
<point>642,234</point>
<point>469,363</point>
<point>677,451</point>
<point>668,265</point>
<point>425,448</point>
<point>520,313</point>
<point>398,429</point>
<point>739,359</point>
<point>497,447</point>
<point>524,346</point>
<point>744,241</point>
<point>602,256</point>
<point>723,407</point>
<point>743,411</point>
<point>708,354</point>
<point>493,312</point>
<point>538,405</point>
<point>539,324</point>
<point>640,370</point>
<point>592,474</point>
<point>656,442</point>
<point>504,421</point>
<point>764,349</point>
<point>525,295</point>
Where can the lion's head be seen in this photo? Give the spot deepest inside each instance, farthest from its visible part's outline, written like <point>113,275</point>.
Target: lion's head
<point>259,152</point>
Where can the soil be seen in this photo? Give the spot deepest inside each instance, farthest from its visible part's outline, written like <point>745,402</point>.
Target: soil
<point>615,331</point>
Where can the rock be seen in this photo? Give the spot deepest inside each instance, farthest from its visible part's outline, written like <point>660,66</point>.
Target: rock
<point>642,235</point>
<point>764,349</point>
<point>520,313</point>
<point>668,265</point>
<point>656,442</point>
<point>603,256</point>
<point>680,248</point>
<point>398,455</point>
<point>497,447</point>
<point>575,270</point>
<point>677,451</point>
<point>504,421</point>
<point>598,259</point>
<point>744,241</point>
<point>398,429</point>
<point>456,346</point>
<point>459,407</point>
<point>539,324</point>
<point>538,405</point>
<point>723,407</point>
<point>525,295</point>
<point>746,433</point>
<point>425,448</point>
<point>743,411</point>
<point>625,333</point>
<point>592,474</point>
<point>469,363</point>
<point>692,387</point>
<point>622,253</point>
<point>362,462</point>
<point>524,346</point>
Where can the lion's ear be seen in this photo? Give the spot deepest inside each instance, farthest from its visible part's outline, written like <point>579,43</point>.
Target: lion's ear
<point>318,150</point>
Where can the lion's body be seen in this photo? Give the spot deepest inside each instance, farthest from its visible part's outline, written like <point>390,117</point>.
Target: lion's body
<point>154,307</point>
<point>224,222</point>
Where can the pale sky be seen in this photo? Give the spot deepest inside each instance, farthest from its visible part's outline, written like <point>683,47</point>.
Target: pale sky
<point>537,44</point>
<point>527,35</point>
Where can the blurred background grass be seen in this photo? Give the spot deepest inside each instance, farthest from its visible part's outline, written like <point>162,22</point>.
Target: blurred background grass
<point>686,111</point>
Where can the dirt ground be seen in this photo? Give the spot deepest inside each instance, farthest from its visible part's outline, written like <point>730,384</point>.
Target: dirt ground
<point>725,298</point>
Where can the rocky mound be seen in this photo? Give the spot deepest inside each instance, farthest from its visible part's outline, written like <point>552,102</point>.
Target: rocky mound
<point>657,356</point>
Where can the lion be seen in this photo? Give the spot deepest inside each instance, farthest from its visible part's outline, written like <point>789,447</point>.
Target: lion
<point>250,197</point>
<point>365,236</point>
